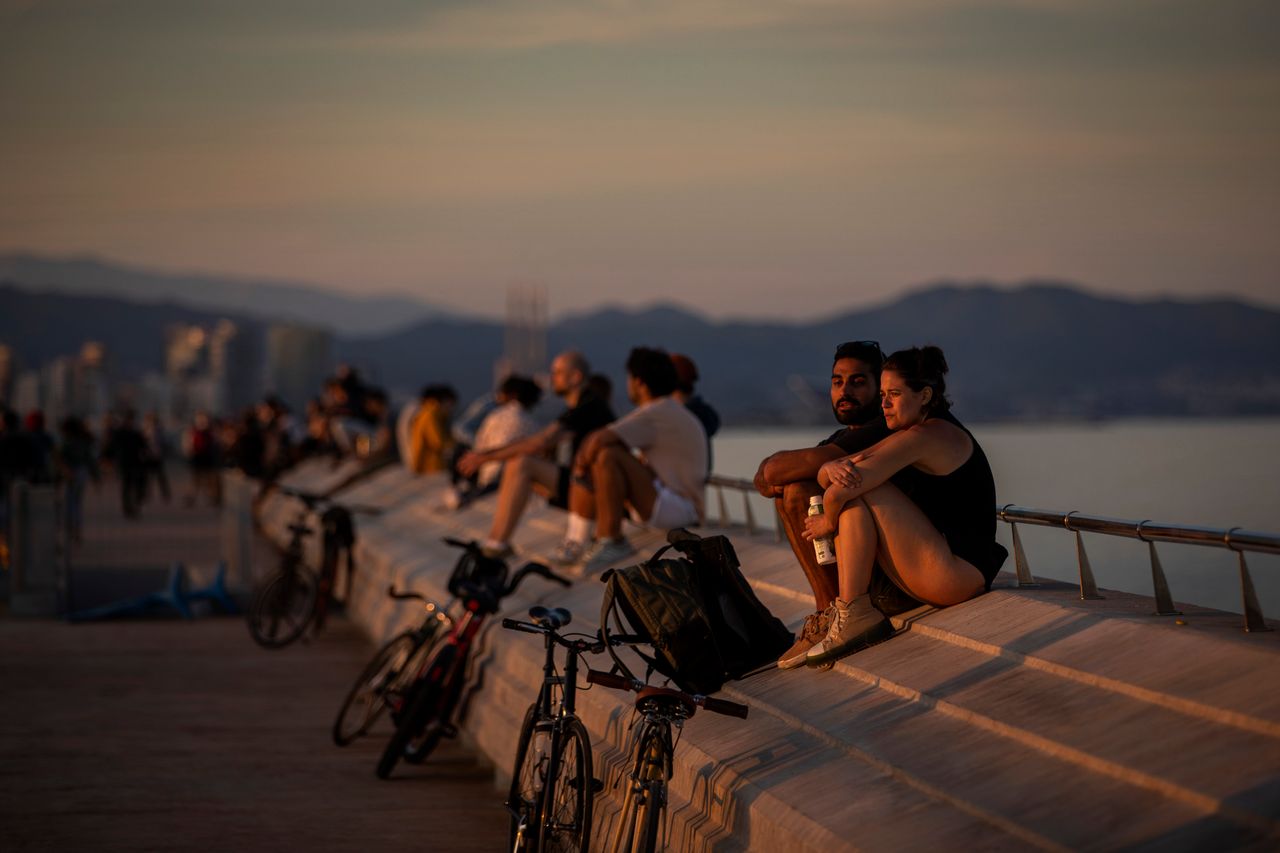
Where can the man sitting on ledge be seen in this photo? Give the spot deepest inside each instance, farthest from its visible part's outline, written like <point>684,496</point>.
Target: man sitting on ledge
<point>530,466</point>
<point>791,476</point>
<point>653,462</point>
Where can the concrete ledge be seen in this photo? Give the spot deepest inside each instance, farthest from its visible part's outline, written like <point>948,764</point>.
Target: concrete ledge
<point>1025,718</point>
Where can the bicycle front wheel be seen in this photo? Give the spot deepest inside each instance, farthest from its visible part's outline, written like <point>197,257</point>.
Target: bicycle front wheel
<point>645,806</point>
<point>282,608</point>
<point>422,723</point>
<point>368,696</point>
<point>567,799</point>
<point>524,799</point>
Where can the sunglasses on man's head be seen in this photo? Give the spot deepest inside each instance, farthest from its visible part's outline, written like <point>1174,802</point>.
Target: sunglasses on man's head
<point>856,349</point>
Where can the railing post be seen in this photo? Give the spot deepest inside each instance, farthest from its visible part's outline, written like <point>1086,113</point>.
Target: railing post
<point>1088,586</point>
<point>1164,598</point>
<point>1159,585</point>
<point>724,508</point>
<point>751,519</point>
<point>778,532</point>
<point>1253,618</point>
<point>1025,578</point>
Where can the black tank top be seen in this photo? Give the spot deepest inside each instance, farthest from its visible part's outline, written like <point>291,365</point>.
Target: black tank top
<point>961,505</point>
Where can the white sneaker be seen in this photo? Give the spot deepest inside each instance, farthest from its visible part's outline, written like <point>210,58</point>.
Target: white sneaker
<point>606,552</point>
<point>854,625</point>
<point>569,553</point>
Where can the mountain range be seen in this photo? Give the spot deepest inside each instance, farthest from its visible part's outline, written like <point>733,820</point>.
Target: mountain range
<point>260,299</point>
<point>1034,351</point>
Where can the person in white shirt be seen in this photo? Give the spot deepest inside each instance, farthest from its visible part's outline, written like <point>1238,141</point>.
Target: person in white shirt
<point>651,462</point>
<point>508,422</point>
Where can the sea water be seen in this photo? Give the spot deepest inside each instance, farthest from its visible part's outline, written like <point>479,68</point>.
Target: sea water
<point>1195,472</point>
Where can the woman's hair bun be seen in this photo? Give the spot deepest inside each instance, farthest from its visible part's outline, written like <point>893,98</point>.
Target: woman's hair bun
<point>932,361</point>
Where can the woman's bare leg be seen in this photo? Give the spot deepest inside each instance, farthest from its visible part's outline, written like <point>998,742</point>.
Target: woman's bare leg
<point>884,525</point>
<point>912,551</point>
<point>857,540</point>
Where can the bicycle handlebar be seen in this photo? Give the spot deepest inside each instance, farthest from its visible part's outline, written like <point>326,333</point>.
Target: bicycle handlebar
<point>407,595</point>
<point>723,706</point>
<point>578,645</point>
<point>534,569</point>
<point>621,682</point>
<point>314,501</point>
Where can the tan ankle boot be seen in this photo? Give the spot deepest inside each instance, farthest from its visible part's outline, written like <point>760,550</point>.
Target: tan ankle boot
<point>854,625</point>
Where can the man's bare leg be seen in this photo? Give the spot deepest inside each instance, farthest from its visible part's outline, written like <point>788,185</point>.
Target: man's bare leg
<point>582,501</point>
<point>618,479</point>
<point>519,476</point>
<point>793,508</point>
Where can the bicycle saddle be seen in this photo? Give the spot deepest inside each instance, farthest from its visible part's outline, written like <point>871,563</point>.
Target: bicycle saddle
<point>665,696</point>
<point>550,617</point>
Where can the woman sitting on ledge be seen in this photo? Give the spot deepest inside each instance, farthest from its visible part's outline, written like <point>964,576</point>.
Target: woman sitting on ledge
<point>920,504</point>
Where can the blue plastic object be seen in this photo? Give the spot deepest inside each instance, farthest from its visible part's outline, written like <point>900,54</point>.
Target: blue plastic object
<point>174,595</point>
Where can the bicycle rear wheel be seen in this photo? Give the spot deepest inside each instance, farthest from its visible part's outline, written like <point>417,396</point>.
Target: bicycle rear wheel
<point>567,799</point>
<point>425,718</point>
<point>282,608</point>
<point>367,698</point>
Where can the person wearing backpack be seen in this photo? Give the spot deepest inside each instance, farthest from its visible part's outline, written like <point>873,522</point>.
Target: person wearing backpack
<point>664,489</point>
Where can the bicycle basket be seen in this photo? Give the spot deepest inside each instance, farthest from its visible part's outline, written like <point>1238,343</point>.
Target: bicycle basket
<point>474,569</point>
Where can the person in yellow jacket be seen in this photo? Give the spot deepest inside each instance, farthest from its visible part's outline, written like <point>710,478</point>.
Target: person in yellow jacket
<point>430,439</point>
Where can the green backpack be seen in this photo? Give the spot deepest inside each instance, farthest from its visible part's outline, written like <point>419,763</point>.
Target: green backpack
<point>698,613</point>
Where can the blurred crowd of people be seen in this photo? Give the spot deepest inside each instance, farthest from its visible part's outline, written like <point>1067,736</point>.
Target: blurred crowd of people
<point>349,418</point>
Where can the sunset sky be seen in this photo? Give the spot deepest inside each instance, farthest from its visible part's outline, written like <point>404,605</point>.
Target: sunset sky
<point>778,158</point>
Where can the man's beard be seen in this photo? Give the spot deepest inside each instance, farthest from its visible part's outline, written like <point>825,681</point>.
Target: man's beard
<point>855,415</point>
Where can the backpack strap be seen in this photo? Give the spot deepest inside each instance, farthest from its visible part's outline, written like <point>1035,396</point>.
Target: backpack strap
<point>608,606</point>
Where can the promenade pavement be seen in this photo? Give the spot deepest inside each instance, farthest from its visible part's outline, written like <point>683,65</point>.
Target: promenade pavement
<point>165,734</point>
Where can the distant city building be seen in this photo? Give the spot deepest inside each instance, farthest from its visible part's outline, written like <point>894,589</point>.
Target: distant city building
<point>67,385</point>
<point>91,387</point>
<point>235,366</point>
<point>299,358</point>
<point>8,372</point>
<point>218,370</point>
<point>58,391</point>
<point>154,393</point>
<point>26,391</point>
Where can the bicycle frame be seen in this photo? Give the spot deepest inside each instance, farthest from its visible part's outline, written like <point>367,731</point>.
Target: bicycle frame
<point>426,708</point>
<point>552,720</point>
<point>652,754</point>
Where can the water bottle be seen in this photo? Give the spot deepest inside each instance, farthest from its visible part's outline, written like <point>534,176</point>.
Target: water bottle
<point>541,753</point>
<point>825,547</point>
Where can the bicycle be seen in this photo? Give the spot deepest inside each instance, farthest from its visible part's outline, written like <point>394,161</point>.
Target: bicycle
<point>552,783</point>
<point>389,671</point>
<point>423,711</point>
<point>660,709</point>
<point>293,598</point>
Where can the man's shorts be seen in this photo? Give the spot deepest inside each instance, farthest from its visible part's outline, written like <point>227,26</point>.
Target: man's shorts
<point>670,510</point>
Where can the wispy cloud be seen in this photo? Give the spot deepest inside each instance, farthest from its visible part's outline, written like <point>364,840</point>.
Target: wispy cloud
<point>525,24</point>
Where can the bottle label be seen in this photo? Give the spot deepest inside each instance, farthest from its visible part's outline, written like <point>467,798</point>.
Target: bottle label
<point>824,548</point>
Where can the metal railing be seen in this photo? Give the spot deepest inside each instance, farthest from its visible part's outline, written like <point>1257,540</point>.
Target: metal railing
<point>720,483</point>
<point>1234,539</point>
